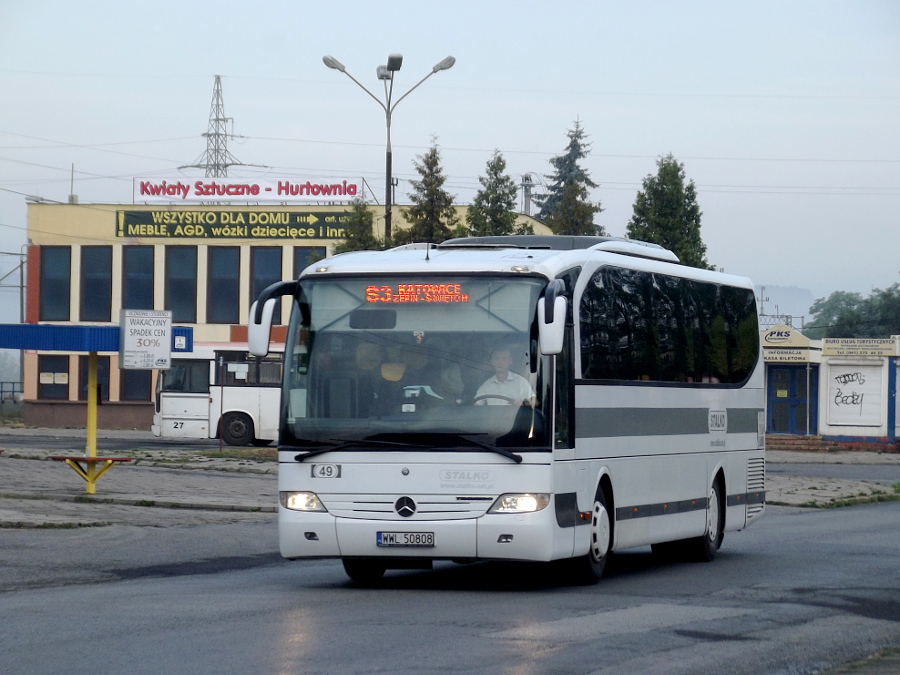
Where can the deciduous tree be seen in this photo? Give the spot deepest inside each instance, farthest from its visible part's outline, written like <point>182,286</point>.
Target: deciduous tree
<point>849,315</point>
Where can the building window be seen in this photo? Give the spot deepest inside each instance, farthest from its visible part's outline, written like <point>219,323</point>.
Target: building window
<point>304,256</point>
<point>102,377</point>
<point>96,283</point>
<point>56,270</point>
<point>137,277</point>
<point>265,270</point>
<point>53,377</point>
<point>135,385</point>
<point>223,284</point>
<point>181,283</point>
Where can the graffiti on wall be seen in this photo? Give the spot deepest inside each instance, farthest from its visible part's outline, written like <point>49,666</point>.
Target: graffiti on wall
<point>855,396</point>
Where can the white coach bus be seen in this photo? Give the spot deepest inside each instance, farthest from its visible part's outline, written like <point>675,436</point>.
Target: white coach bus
<point>220,381</point>
<point>515,398</point>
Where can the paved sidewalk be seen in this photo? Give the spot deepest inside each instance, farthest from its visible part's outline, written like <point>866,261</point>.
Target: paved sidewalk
<point>173,487</point>
<point>160,488</point>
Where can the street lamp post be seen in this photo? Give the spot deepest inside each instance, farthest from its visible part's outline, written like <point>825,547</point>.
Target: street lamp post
<point>386,74</point>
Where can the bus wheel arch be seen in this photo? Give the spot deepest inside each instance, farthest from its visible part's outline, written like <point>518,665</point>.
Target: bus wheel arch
<point>237,429</point>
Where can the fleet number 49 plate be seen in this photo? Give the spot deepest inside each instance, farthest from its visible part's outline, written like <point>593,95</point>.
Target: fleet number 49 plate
<point>424,539</point>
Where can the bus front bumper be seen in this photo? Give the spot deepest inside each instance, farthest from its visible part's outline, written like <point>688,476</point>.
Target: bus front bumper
<point>532,536</point>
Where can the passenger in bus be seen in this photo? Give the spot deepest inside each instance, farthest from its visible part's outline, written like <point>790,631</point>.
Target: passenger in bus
<point>505,387</point>
<point>406,382</point>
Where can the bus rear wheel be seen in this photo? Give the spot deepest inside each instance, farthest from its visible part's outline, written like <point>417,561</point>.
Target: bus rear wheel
<point>699,549</point>
<point>237,429</point>
<point>706,547</point>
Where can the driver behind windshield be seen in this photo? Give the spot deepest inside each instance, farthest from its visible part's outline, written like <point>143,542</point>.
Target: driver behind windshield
<point>505,387</point>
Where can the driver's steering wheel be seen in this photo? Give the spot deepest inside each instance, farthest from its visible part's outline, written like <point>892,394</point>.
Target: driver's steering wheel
<point>508,399</point>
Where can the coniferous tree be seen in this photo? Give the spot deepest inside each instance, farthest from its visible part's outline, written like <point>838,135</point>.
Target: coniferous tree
<point>567,169</point>
<point>666,213</point>
<point>574,214</point>
<point>359,231</point>
<point>493,210</point>
<point>432,216</point>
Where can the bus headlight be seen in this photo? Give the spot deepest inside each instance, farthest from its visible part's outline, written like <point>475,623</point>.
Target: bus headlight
<point>520,503</point>
<point>300,501</point>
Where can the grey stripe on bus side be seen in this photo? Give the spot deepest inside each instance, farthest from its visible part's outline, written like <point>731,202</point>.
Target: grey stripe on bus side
<point>615,422</point>
<point>668,508</point>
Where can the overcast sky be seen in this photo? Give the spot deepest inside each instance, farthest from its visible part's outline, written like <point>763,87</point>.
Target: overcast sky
<point>786,114</point>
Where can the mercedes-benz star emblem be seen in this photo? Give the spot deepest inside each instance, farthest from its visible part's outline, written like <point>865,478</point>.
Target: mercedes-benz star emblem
<point>405,507</point>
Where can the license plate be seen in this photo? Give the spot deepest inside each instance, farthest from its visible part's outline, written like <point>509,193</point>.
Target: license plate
<point>425,539</point>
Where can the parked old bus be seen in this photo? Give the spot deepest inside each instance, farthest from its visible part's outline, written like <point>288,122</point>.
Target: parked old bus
<point>525,398</point>
<point>219,382</point>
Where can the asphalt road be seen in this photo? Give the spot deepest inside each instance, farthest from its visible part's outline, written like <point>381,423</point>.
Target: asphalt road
<point>801,591</point>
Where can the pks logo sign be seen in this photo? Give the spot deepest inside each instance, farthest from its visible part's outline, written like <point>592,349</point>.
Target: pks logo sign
<point>777,337</point>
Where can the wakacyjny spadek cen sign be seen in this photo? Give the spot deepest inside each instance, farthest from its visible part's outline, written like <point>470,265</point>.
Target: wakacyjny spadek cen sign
<point>208,224</point>
<point>284,190</point>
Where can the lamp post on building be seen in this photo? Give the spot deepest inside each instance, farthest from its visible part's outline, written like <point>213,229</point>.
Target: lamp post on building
<point>386,74</point>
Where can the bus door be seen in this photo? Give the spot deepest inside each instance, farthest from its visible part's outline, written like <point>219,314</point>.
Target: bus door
<point>182,399</point>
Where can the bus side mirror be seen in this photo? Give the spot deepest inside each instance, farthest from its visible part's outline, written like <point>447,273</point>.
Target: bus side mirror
<point>259,327</point>
<point>552,325</point>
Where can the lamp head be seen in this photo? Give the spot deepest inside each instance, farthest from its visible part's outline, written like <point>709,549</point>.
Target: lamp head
<point>383,73</point>
<point>445,64</point>
<point>394,62</point>
<point>332,62</point>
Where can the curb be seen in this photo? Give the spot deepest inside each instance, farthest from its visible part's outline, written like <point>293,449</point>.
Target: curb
<point>150,503</point>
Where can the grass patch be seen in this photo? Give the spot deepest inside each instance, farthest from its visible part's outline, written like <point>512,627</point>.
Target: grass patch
<point>850,501</point>
<point>254,454</point>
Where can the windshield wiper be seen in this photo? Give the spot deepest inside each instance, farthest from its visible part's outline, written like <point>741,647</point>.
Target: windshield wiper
<point>332,446</point>
<point>487,446</point>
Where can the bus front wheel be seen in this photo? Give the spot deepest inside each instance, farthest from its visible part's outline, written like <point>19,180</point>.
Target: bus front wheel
<point>237,429</point>
<point>364,570</point>
<point>588,569</point>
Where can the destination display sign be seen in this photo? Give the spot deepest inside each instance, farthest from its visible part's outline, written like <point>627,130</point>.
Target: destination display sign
<point>424,293</point>
<point>231,224</point>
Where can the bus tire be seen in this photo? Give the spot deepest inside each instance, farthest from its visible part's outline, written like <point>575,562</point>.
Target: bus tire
<point>237,429</point>
<point>704,549</point>
<point>365,571</point>
<point>588,569</point>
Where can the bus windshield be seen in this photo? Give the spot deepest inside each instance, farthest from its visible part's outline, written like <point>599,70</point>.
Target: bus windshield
<point>416,361</point>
